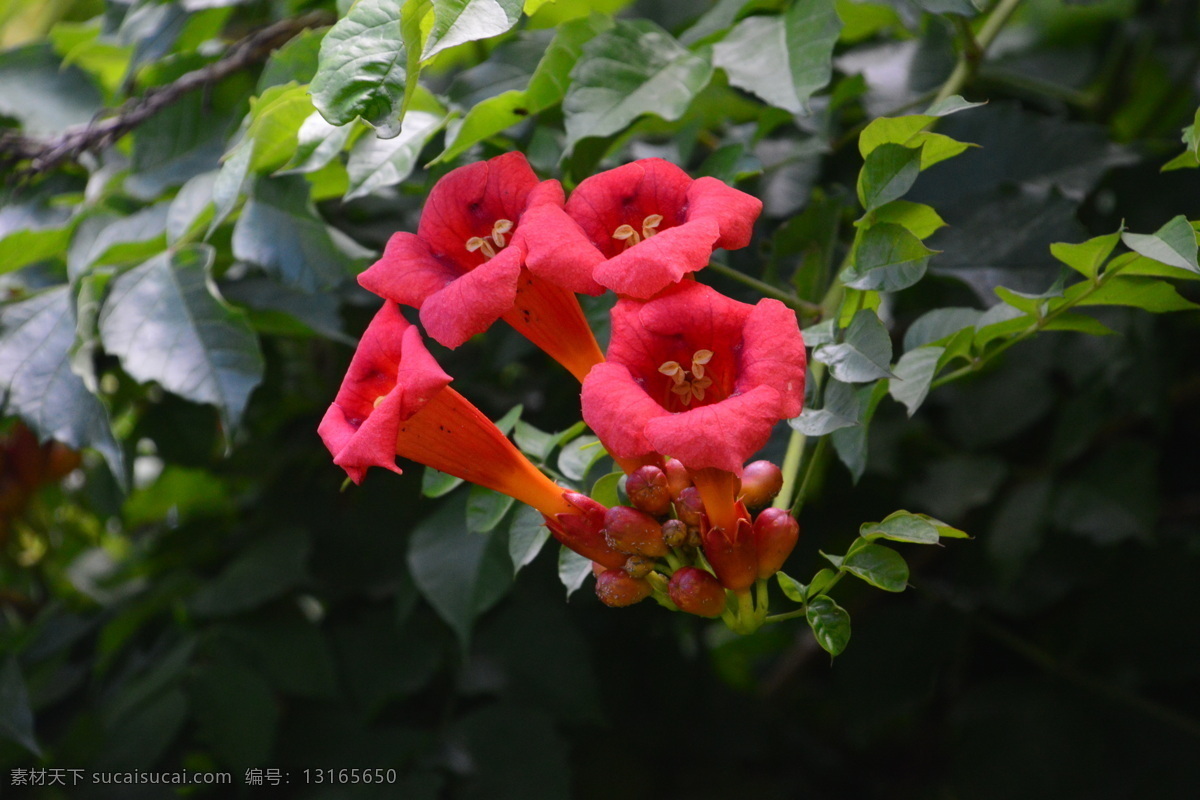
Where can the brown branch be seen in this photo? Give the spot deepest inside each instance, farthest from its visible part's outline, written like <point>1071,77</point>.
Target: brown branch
<point>44,155</point>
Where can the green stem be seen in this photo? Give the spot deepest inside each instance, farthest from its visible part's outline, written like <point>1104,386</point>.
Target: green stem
<point>800,612</point>
<point>818,455</point>
<point>787,298</point>
<point>969,59</point>
<point>762,600</point>
<point>791,467</point>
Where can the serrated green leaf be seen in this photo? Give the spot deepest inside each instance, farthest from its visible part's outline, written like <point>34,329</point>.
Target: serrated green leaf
<point>546,88</point>
<point>458,21</point>
<point>317,143</point>
<point>361,69</point>
<point>888,172</point>
<point>863,355</point>
<point>914,372</point>
<point>937,147</point>
<point>165,322</point>
<point>633,69</point>
<point>1173,244</point>
<point>279,231</point>
<point>377,163</point>
<point>841,408</point>
<point>485,509</point>
<point>36,380</point>
<point>572,569</point>
<point>1149,294</point>
<point>919,219</point>
<point>526,536</point>
<point>887,258</point>
<point>436,484</point>
<point>879,566</point>
<point>782,58</point>
<point>1086,258</point>
<point>578,457</point>
<point>891,130</point>
<point>461,574</point>
<point>830,624</point>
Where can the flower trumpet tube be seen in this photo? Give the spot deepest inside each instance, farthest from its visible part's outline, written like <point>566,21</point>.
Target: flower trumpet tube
<point>465,266</point>
<point>396,401</point>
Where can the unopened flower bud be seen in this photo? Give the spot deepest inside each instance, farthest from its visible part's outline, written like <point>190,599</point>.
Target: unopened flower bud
<point>648,491</point>
<point>694,538</point>
<point>633,532</point>
<point>775,535</point>
<point>761,481</point>
<point>639,566</point>
<point>617,588</point>
<point>677,477</point>
<point>675,533</point>
<point>733,557</point>
<point>697,592</point>
<point>689,507</point>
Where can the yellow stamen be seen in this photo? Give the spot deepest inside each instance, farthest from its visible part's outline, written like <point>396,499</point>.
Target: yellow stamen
<point>484,243</point>
<point>686,388</point>
<point>479,243</point>
<point>627,234</point>
<point>378,400</point>
<point>650,223</point>
<point>499,228</point>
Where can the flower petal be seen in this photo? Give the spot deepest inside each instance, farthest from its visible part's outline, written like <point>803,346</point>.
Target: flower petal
<point>408,271</point>
<point>732,210</point>
<point>722,435</point>
<point>773,355</point>
<point>617,409</point>
<point>649,267</point>
<point>471,303</point>
<point>558,249</point>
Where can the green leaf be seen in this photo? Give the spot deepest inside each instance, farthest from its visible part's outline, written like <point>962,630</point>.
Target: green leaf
<point>605,489</point>
<point>1149,294</point>
<point>782,58</point>
<point>317,144</point>
<point>485,509</point>
<point>888,172</point>
<point>919,219</point>
<point>792,589</point>
<point>1134,264</point>
<point>951,105</point>
<point>458,21</point>
<point>533,441</point>
<point>361,70</point>
<point>909,131</point>
<point>527,534</point>
<point>436,484</point>
<point>36,380</point>
<point>275,120</point>
<point>901,526</point>
<point>1173,244</point>
<point>262,571</point>
<point>850,444</point>
<point>189,211</point>
<point>578,457</point>
<point>182,493</point>
<point>42,94</point>
<point>865,353</point>
<point>634,69</point>
<point>830,624</point>
<point>236,711</point>
<point>546,88</point>
<point>229,184</point>
<point>16,716</point>
<point>914,373</point>
<point>105,240</point>
<point>166,323</point>
<point>572,569</point>
<point>841,409</point>
<point>1185,160</point>
<point>937,147</point>
<point>461,574</point>
<point>879,566</point>
<point>887,258</point>
<point>30,233</point>
<point>376,163</point>
<point>939,325</point>
<point>1086,258</point>
<point>279,231</point>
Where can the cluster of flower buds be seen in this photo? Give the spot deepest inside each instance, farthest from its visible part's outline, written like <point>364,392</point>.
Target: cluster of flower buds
<point>690,387</point>
<point>672,547</point>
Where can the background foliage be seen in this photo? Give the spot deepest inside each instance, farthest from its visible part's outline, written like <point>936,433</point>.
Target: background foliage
<point>179,301</point>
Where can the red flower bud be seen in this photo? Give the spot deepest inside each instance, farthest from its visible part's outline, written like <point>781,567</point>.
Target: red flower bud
<point>761,481</point>
<point>678,478</point>
<point>634,532</point>
<point>616,588</point>
<point>689,507</point>
<point>583,531</point>
<point>648,491</point>
<point>697,592</point>
<point>775,534</point>
<point>733,558</point>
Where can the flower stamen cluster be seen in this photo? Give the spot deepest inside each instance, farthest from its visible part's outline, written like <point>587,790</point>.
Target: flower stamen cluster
<point>693,387</point>
<point>484,243</point>
<point>627,234</point>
